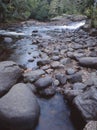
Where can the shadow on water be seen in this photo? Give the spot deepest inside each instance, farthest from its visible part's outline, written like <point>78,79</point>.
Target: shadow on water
<point>55,114</point>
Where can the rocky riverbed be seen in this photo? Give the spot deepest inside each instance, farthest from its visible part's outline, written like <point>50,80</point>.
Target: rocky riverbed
<point>48,61</point>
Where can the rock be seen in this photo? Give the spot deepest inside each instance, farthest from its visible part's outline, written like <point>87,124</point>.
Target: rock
<point>78,17</point>
<point>86,104</point>
<point>19,109</point>
<point>43,62</point>
<point>10,72</point>
<point>65,61</point>
<point>43,83</point>
<point>92,125</point>
<point>55,58</point>
<point>78,55</point>
<point>79,86</point>
<point>56,65</point>
<point>93,78</point>
<point>49,71</point>
<point>88,62</point>
<point>61,78</point>
<point>93,32</point>
<point>71,94</point>
<point>31,60</point>
<point>8,40</point>
<point>70,71</point>
<point>56,82</point>
<point>31,87</point>
<point>77,77</point>
<point>32,76</point>
<point>48,92</point>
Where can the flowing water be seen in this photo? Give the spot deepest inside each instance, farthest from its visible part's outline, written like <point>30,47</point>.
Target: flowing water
<point>55,114</point>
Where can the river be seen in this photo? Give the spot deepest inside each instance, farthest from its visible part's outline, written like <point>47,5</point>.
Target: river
<point>55,113</point>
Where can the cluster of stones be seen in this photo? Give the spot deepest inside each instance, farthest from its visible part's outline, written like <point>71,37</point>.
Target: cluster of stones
<point>71,61</point>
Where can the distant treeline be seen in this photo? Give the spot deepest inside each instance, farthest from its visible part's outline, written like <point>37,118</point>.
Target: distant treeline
<point>43,9</point>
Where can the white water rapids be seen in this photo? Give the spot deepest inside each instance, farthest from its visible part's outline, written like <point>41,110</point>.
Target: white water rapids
<point>28,30</point>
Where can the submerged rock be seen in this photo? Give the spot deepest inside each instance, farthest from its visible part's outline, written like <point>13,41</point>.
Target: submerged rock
<point>19,109</point>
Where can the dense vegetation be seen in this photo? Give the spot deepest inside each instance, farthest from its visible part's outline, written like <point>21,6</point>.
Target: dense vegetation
<point>45,9</point>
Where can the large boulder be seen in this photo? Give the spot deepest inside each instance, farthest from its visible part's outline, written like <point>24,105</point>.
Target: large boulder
<point>19,109</point>
<point>86,104</point>
<point>88,62</point>
<point>92,125</point>
<point>10,72</point>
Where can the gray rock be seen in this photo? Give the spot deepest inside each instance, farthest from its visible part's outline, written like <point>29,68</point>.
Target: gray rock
<point>10,72</point>
<point>61,78</point>
<point>92,125</point>
<point>56,65</point>
<point>8,39</point>
<point>88,62</point>
<point>65,61</point>
<point>71,94</point>
<point>86,103</point>
<point>43,83</point>
<point>78,86</point>
<point>43,62</point>
<point>77,77</point>
<point>31,87</point>
<point>55,58</point>
<point>48,92</point>
<point>70,71</point>
<point>19,109</point>
<point>32,76</point>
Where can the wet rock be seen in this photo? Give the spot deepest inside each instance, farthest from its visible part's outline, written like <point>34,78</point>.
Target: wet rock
<point>61,78</point>
<point>48,92</point>
<point>8,40</point>
<point>43,83</point>
<point>32,76</point>
<point>92,125</point>
<point>43,62</point>
<point>19,109</point>
<point>77,77</point>
<point>10,72</point>
<point>78,86</point>
<point>31,60</point>
<point>35,31</point>
<point>86,104</point>
<point>88,62</point>
<point>56,65</point>
<point>70,71</point>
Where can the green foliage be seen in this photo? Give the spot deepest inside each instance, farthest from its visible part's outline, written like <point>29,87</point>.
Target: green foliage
<point>45,9</point>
